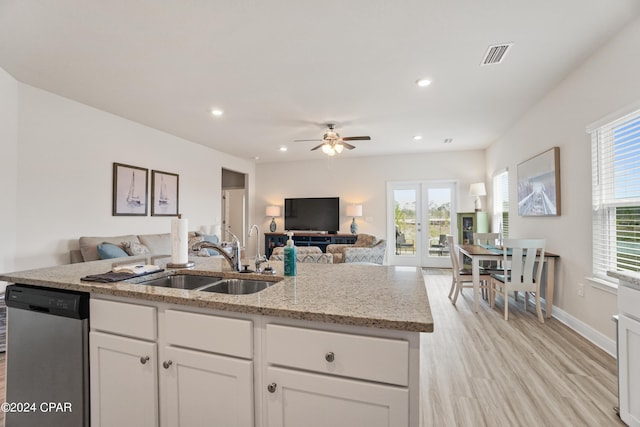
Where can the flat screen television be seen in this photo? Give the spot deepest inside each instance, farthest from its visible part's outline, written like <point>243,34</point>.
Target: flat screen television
<point>312,214</point>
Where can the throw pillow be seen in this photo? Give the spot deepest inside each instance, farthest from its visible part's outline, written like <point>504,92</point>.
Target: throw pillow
<point>108,250</point>
<point>365,240</point>
<point>211,238</point>
<point>134,248</point>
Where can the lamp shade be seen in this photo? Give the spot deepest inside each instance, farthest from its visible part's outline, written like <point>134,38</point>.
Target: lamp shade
<point>477,189</point>
<point>273,211</point>
<point>354,210</point>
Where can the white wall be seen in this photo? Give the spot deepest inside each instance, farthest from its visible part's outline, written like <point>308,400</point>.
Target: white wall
<point>65,155</point>
<point>605,83</point>
<point>362,180</point>
<point>9,169</point>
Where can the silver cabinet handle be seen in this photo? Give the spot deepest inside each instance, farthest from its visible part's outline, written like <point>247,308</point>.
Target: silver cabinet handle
<point>166,364</point>
<point>272,387</point>
<point>144,359</point>
<point>330,357</point>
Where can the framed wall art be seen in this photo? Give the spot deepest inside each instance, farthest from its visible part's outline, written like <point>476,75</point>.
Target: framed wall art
<point>164,193</point>
<point>539,184</point>
<point>130,185</point>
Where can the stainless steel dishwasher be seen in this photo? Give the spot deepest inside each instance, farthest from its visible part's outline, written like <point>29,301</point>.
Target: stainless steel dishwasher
<point>47,357</point>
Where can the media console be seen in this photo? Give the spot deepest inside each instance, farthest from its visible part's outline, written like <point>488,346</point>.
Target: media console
<point>273,240</point>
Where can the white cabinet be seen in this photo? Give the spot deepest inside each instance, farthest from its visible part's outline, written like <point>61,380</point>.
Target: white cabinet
<point>629,352</point>
<point>164,372</point>
<point>629,370</point>
<point>124,381</point>
<point>345,386</point>
<point>297,398</point>
<point>200,389</point>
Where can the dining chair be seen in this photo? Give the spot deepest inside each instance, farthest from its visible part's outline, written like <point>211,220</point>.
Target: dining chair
<point>460,276</point>
<point>485,238</point>
<point>487,265</point>
<point>521,256</point>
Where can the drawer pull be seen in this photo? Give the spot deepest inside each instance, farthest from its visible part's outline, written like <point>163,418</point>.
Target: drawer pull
<point>330,357</point>
<point>272,387</point>
<point>144,359</point>
<point>166,364</point>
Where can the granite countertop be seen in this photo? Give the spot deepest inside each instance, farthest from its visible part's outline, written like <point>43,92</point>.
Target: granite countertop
<point>384,297</point>
<point>626,277</point>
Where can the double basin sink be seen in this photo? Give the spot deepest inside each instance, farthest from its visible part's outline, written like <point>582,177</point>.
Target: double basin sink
<point>210,284</point>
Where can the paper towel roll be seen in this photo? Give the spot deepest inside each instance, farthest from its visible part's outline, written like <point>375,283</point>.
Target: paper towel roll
<point>179,240</point>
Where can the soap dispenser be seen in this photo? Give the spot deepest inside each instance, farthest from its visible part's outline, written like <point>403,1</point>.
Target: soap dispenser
<point>290,257</point>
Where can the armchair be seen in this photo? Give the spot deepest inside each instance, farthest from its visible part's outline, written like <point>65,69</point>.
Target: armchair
<point>367,248</point>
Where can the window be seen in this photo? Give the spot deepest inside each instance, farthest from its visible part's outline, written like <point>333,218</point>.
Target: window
<point>615,154</point>
<point>501,203</point>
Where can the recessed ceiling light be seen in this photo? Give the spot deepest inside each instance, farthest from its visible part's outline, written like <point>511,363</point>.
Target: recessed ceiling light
<point>417,137</point>
<point>283,148</point>
<point>217,112</point>
<point>448,140</point>
<point>423,82</point>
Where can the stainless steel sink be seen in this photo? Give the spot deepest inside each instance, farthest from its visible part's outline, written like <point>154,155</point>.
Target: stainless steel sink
<point>237,286</point>
<point>182,281</point>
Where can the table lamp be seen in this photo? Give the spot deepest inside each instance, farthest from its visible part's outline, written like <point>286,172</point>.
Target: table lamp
<point>478,190</point>
<point>354,211</point>
<point>273,212</point>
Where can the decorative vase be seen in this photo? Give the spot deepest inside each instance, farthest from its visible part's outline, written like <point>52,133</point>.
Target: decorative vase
<point>354,227</point>
<point>272,226</point>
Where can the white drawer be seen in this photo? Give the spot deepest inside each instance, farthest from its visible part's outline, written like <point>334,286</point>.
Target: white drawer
<point>215,334</point>
<point>629,301</point>
<point>133,320</point>
<point>356,356</point>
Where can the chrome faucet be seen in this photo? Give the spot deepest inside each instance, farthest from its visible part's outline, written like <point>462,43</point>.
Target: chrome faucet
<point>234,259</point>
<point>259,258</point>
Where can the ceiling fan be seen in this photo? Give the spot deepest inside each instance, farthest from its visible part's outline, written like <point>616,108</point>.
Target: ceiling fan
<point>333,143</point>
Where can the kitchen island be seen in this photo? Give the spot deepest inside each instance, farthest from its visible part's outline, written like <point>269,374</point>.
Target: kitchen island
<point>335,345</point>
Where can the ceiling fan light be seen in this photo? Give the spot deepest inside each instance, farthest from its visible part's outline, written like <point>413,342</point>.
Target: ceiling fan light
<point>332,152</point>
<point>339,147</point>
<point>326,148</point>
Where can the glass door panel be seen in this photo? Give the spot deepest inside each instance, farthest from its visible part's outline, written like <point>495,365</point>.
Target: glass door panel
<point>406,213</point>
<point>438,200</point>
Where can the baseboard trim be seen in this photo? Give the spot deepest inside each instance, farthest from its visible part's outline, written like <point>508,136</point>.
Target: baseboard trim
<point>581,328</point>
<point>597,338</point>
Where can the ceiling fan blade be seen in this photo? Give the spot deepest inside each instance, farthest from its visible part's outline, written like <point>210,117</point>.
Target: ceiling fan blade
<point>348,146</point>
<point>305,140</point>
<point>357,138</point>
<point>317,146</point>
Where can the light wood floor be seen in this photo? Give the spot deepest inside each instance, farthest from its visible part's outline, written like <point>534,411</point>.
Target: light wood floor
<point>480,370</point>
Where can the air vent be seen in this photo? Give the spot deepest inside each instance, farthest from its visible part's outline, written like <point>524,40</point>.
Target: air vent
<point>495,54</point>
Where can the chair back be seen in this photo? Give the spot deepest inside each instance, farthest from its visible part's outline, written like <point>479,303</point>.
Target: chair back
<point>453,253</point>
<point>524,253</point>
<point>485,238</point>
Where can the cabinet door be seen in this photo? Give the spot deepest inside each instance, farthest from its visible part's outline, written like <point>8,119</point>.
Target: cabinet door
<point>124,381</point>
<point>629,342</point>
<point>295,398</point>
<point>203,389</point>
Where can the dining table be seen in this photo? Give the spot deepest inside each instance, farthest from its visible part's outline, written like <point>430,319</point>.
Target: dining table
<point>478,253</point>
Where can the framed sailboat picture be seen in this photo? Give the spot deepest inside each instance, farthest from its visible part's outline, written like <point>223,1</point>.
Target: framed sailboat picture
<point>130,185</point>
<point>164,193</point>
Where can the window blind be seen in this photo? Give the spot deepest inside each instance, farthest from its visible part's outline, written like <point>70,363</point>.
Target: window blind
<point>615,153</point>
<point>501,203</point>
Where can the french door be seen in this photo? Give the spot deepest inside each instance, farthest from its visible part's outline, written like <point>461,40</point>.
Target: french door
<point>420,215</point>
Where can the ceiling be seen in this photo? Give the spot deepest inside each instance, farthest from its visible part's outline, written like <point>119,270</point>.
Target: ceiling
<point>281,69</point>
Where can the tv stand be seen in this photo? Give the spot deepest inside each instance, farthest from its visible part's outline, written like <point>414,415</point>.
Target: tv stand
<point>321,240</point>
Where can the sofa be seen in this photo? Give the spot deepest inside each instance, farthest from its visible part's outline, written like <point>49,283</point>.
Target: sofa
<point>303,254</point>
<point>93,248</point>
<point>367,249</point>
